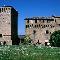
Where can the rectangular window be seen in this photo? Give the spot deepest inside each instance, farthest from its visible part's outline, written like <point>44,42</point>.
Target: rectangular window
<point>0,35</point>
<point>44,26</point>
<point>48,25</point>
<point>39,25</point>
<point>26,26</point>
<point>32,24</point>
<point>55,20</point>
<point>43,21</point>
<point>59,24</point>
<point>4,9</point>
<point>35,21</point>
<point>0,10</point>
<point>35,26</point>
<point>27,21</point>
<point>47,31</point>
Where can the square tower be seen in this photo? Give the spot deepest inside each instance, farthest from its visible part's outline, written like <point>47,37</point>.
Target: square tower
<point>8,25</point>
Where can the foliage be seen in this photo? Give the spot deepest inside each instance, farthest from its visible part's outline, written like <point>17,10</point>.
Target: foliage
<point>55,39</point>
<point>27,39</point>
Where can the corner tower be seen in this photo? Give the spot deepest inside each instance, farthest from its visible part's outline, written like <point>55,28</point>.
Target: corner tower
<point>8,25</point>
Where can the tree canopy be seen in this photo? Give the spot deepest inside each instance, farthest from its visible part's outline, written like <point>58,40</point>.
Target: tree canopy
<point>55,39</point>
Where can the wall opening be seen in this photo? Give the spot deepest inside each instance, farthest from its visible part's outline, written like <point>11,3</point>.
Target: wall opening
<point>0,35</point>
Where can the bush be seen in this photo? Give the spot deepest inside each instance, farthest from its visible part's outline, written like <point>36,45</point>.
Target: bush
<point>27,39</point>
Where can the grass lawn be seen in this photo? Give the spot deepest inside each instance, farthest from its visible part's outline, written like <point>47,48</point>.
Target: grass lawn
<point>29,52</point>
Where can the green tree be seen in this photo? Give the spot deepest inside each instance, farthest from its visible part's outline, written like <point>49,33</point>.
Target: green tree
<point>27,39</point>
<point>55,39</point>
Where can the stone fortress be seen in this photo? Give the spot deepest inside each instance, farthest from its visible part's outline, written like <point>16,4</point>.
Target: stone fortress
<point>40,28</point>
<point>8,25</point>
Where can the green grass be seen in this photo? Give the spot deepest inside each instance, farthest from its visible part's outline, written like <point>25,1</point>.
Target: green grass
<point>29,52</point>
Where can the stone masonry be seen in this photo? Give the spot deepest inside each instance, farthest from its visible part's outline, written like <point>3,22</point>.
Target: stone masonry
<point>40,28</point>
<point>8,24</point>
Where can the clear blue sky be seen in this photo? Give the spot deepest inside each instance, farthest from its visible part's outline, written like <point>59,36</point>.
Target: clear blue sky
<point>30,8</point>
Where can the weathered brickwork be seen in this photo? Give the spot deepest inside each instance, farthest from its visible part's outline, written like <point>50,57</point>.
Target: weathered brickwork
<point>6,30</point>
<point>40,28</point>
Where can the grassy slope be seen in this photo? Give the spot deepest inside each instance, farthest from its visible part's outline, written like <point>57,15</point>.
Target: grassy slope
<point>29,52</point>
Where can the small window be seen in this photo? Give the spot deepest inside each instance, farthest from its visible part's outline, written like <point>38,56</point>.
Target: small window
<point>47,31</point>
<point>3,18</point>
<point>0,35</point>
<point>48,25</point>
<point>39,25</point>
<point>35,26</point>
<point>26,26</point>
<point>34,31</point>
<point>4,9</point>
<point>35,21</point>
<point>59,24</point>
<point>47,21</point>
<point>27,21</point>
<point>43,21</point>
<point>55,20</point>
<point>46,43</point>
<point>44,26</point>
<point>51,26</point>
<point>50,32</point>
<point>32,24</point>
<point>0,10</point>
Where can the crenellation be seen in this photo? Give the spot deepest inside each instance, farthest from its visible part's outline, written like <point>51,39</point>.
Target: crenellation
<point>44,27</point>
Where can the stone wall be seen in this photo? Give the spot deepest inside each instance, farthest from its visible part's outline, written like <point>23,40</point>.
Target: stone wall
<point>43,28</point>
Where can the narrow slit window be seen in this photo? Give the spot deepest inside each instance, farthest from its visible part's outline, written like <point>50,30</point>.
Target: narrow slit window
<point>0,10</point>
